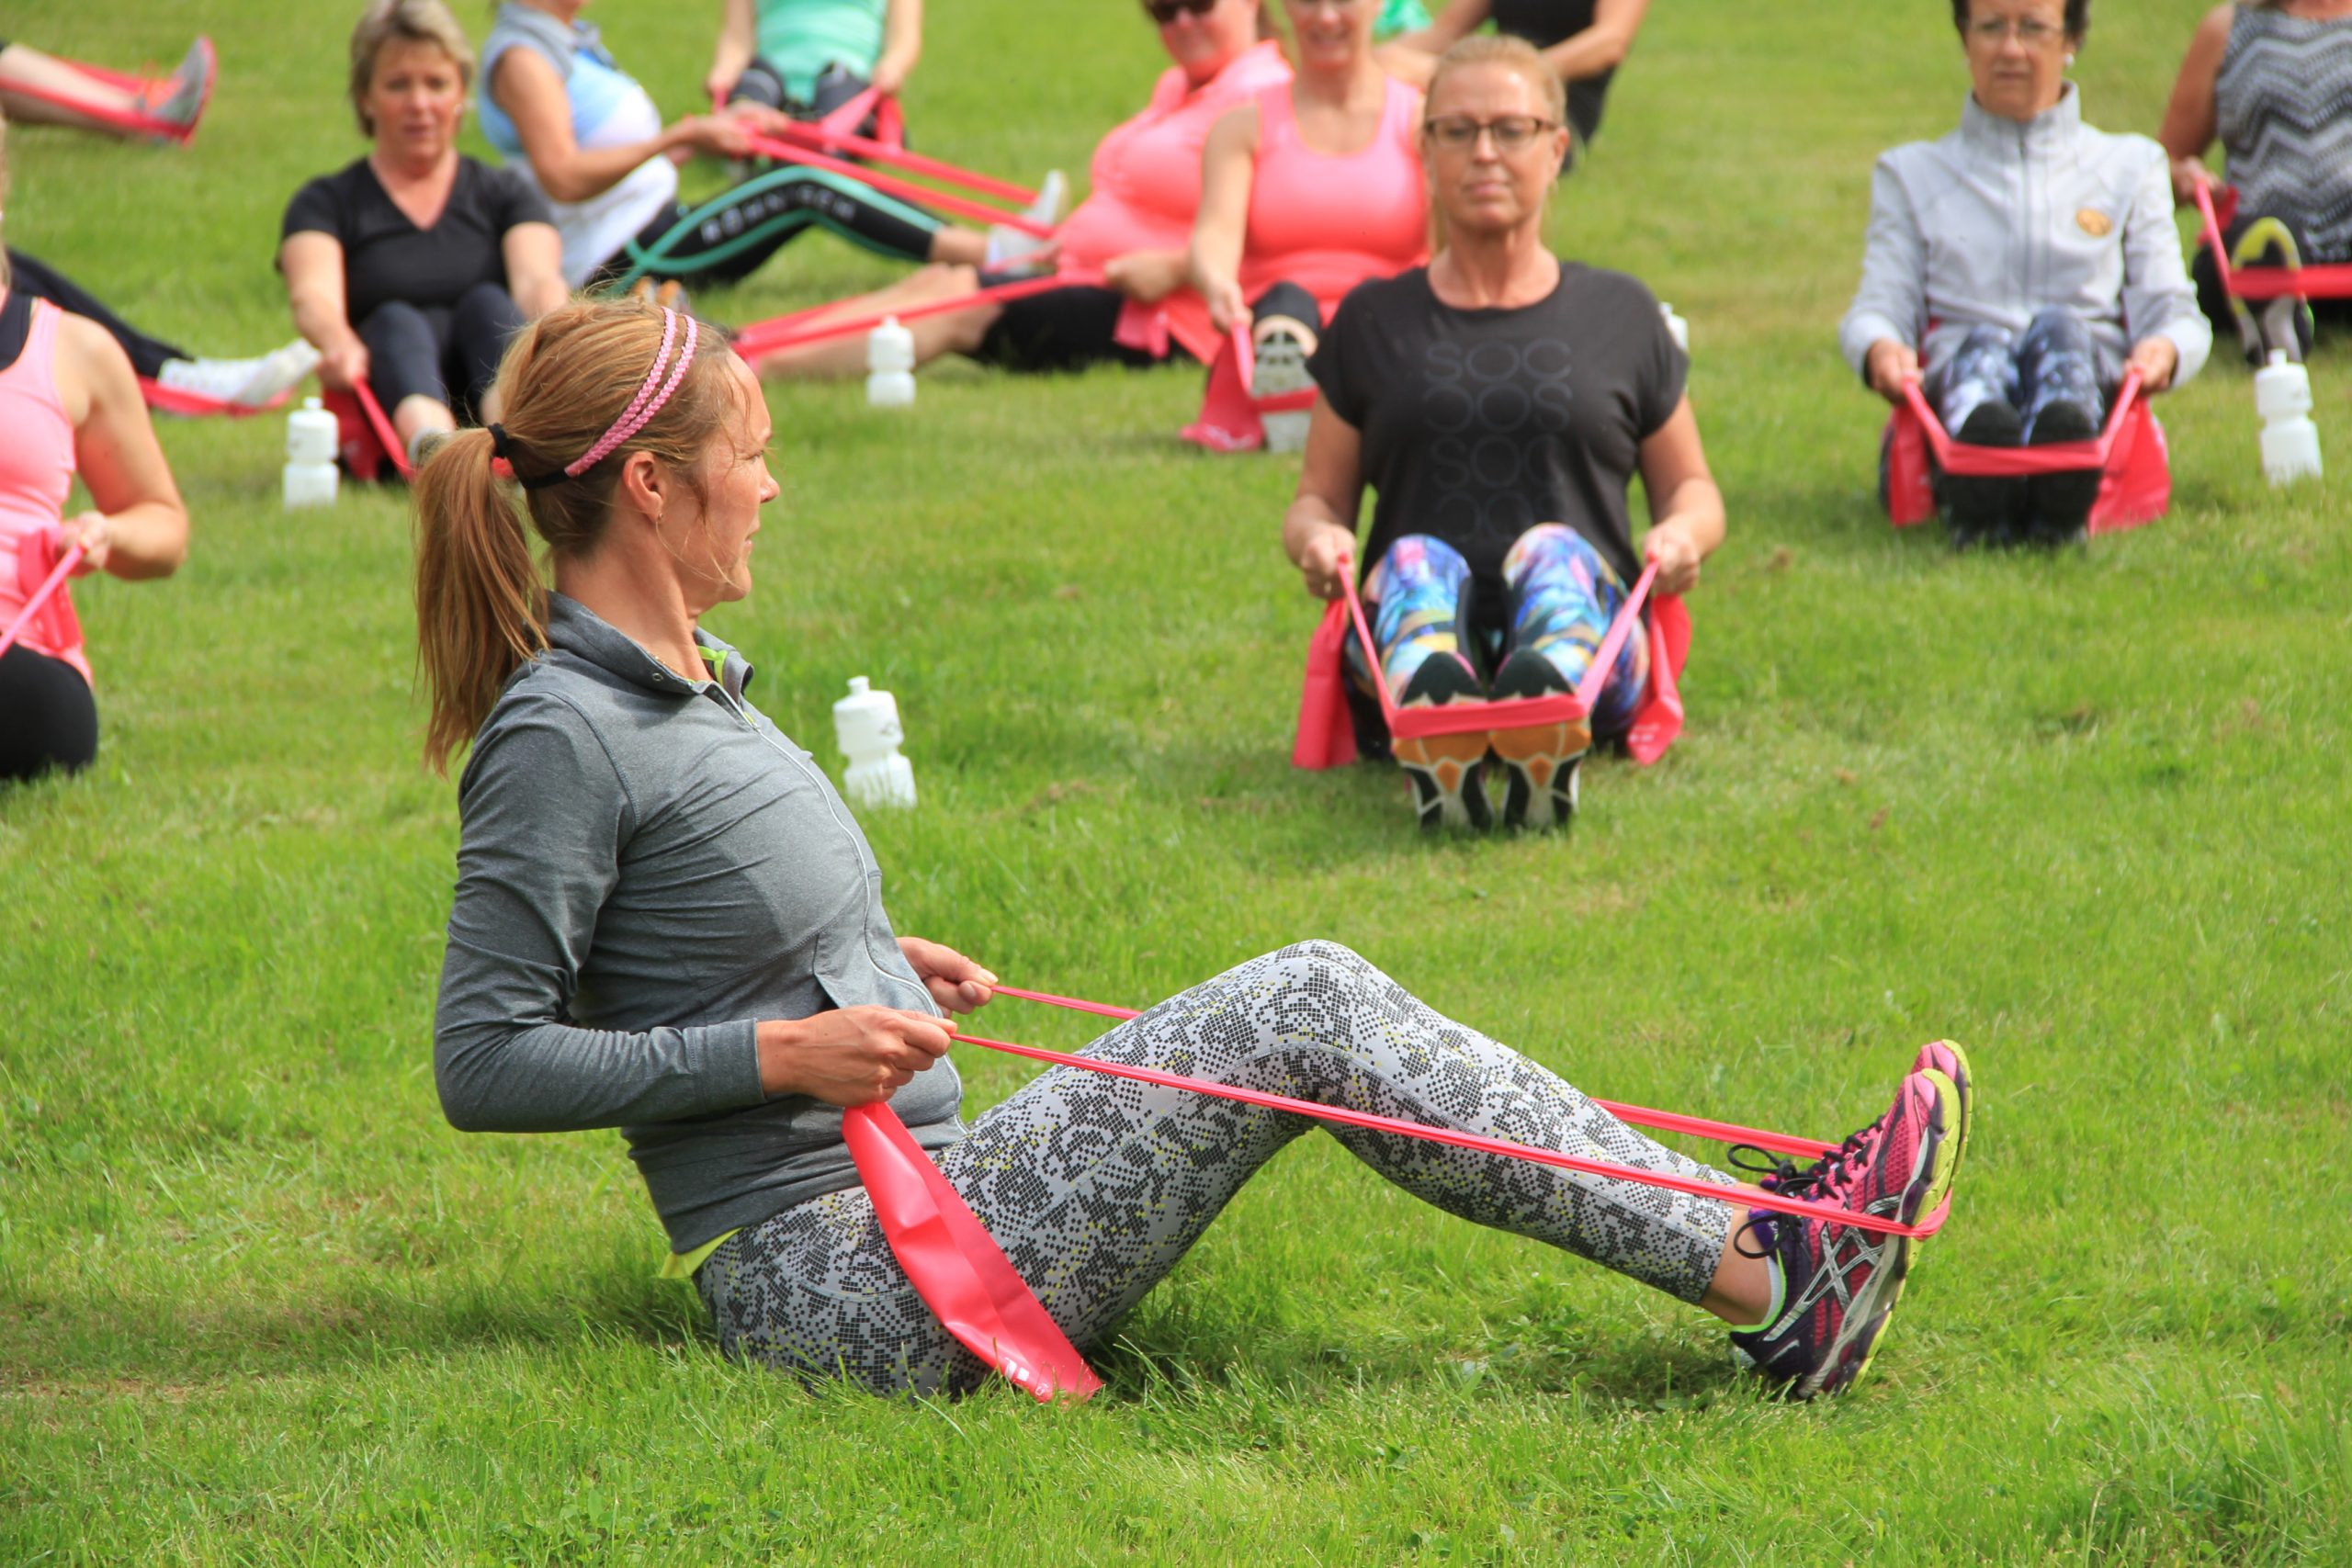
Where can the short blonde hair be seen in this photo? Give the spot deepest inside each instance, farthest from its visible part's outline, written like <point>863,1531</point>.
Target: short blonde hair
<point>1518,54</point>
<point>405,21</point>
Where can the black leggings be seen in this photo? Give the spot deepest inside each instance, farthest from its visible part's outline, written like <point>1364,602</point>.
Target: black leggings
<point>727,238</point>
<point>1069,329</point>
<point>48,718</point>
<point>40,282</point>
<point>425,350</point>
<point>762,82</point>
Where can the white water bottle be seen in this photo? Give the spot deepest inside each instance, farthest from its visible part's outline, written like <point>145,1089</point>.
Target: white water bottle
<point>310,476</point>
<point>866,723</point>
<point>890,366</point>
<point>2282,396</point>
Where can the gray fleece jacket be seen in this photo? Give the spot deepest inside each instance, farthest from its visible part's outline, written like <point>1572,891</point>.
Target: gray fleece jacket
<point>646,868</point>
<point>2000,220</point>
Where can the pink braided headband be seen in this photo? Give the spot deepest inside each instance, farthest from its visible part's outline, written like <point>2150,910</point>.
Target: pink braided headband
<point>650,397</point>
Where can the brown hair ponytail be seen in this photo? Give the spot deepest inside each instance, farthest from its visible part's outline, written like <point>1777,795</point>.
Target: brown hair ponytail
<point>481,602</point>
<point>482,609</point>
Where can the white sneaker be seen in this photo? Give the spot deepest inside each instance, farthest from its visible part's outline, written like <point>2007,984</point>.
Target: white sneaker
<point>1009,247</point>
<point>276,373</point>
<point>218,380</point>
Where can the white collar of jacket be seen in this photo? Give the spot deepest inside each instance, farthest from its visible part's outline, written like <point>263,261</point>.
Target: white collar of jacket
<point>2054,128</point>
<point>578,630</point>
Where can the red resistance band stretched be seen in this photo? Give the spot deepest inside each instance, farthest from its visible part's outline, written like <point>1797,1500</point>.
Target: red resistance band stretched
<point>1743,1197</point>
<point>2333,281</point>
<point>50,585</point>
<point>1503,713</point>
<point>906,190</point>
<point>803,327</point>
<point>822,137</point>
<point>386,436</point>
<point>2017,462</point>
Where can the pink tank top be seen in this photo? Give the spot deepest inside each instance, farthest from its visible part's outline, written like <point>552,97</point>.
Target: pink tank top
<point>36,474</point>
<point>1328,223</point>
<point>1146,180</point>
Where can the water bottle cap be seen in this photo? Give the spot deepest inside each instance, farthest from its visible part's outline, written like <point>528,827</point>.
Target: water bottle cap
<point>859,685</point>
<point>313,405</point>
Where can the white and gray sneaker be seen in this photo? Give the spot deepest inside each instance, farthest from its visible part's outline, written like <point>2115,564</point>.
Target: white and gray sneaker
<point>1284,347</point>
<point>1009,247</point>
<point>249,383</point>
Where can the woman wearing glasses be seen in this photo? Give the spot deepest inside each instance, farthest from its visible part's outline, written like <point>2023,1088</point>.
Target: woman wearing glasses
<point>2021,265</point>
<point>1306,191</point>
<point>1500,401</point>
<point>1132,229</point>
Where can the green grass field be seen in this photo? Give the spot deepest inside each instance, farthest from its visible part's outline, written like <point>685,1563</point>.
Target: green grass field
<point>2085,812</point>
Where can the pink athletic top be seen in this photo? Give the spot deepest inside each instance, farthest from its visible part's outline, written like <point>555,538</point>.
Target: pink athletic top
<point>1147,190</point>
<point>1328,223</point>
<point>36,473</point>
<point>1146,173</point>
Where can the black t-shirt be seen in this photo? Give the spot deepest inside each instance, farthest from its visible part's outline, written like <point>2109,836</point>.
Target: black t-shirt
<point>386,256</point>
<point>1546,22</point>
<point>1479,424</point>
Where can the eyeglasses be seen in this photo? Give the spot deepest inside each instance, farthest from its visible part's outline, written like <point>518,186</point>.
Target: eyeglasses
<point>2032,32</point>
<point>1166,11</point>
<point>1512,132</point>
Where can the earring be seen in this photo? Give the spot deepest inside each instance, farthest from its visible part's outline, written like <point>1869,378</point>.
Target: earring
<point>2070,62</point>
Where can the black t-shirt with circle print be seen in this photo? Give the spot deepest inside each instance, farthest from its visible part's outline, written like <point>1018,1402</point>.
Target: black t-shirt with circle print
<point>386,256</point>
<point>1479,424</point>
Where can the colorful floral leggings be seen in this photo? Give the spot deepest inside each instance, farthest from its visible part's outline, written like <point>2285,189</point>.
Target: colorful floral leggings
<point>1559,595</point>
<point>1095,1185</point>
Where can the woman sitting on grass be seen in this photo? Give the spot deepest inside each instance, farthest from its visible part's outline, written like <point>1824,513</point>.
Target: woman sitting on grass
<point>666,920</point>
<point>567,120</point>
<point>69,405</point>
<point>807,58</point>
<point>1133,228</point>
<point>1500,401</point>
<point>411,268</point>
<point>2022,264</point>
<point>1306,191</point>
<point>2270,79</point>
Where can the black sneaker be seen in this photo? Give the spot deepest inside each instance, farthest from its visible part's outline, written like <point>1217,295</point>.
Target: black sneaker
<point>1541,761</point>
<point>1980,510</point>
<point>1449,790</point>
<point>2058,506</point>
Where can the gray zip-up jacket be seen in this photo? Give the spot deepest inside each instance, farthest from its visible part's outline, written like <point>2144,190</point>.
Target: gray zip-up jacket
<point>2000,220</point>
<point>646,868</point>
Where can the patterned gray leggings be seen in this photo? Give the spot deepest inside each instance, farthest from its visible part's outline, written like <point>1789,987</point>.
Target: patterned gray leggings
<point>1095,1185</point>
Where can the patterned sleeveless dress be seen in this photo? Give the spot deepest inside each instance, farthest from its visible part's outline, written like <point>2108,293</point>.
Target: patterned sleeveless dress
<point>2283,103</point>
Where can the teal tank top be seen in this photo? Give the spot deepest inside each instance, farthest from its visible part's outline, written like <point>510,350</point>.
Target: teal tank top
<point>800,37</point>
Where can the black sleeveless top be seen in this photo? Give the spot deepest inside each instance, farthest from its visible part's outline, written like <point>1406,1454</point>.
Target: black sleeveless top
<point>1546,22</point>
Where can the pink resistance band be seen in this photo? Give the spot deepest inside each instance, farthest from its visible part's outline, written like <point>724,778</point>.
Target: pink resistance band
<point>890,185</point>
<point>1742,1197</point>
<point>55,581</point>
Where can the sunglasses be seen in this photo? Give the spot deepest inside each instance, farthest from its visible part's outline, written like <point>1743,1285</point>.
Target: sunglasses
<point>1166,11</point>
